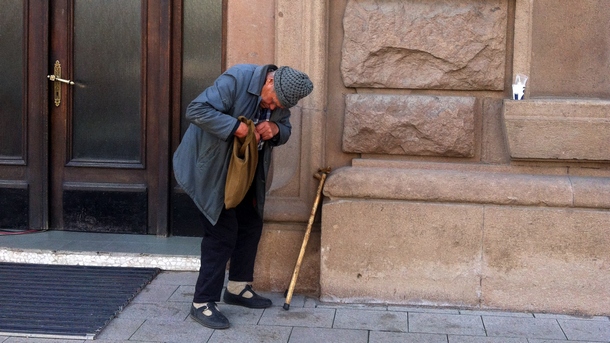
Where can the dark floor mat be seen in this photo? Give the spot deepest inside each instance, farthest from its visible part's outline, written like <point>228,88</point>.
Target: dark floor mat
<point>65,301</point>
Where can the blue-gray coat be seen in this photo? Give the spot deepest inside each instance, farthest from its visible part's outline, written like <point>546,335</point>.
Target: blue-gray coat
<point>202,158</point>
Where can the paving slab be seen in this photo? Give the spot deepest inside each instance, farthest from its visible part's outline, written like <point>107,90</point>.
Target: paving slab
<point>446,324</point>
<point>320,335</point>
<point>251,334</point>
<point>523,327</point>
<point>120,329</point>
<point>172,332</point>
<point>309,302</point>
<point>241,315</point>
<point>402,337</point>
<point>155,293</point>
<point>39,340</point>
<point>497,313</point>
<point>177,278</point>
<point>586,330</point>
<point>183,294</point>
<point>278,299</point>
<point>423,309</point>
<point>353,306</point>
<point>372,320</point>
<point>298,317</point>
<point>166,311</point>
<point>567,316</point>
<point>477,339</point>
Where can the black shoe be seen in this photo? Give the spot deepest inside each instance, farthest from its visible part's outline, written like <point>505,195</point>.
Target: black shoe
<point>256,301</point>
<point>209,316</point>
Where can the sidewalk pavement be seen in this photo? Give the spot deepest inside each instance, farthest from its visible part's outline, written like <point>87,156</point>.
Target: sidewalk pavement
<point>160,313</point>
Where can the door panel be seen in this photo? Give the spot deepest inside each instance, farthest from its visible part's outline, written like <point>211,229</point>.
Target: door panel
<point>14,202</point>
<point>22,114</point>
<point>12,82</point>
<point>105,207</point>
<point>107,117</point>
<point>13,190</point>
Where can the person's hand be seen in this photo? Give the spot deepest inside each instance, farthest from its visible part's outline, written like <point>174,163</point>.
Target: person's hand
<point>242,130</point>
<point>267,130</point>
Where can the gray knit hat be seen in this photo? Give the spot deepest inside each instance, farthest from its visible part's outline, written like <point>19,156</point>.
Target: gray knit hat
<point>291,86</point>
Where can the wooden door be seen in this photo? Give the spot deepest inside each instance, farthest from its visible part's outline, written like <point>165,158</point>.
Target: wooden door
<point>109,115</point>
<point>100,159</point>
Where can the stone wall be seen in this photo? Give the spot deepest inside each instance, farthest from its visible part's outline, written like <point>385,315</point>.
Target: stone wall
<point>445,192</point>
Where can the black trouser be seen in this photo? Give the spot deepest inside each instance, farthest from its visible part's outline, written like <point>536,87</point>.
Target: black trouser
<point>235,236</point>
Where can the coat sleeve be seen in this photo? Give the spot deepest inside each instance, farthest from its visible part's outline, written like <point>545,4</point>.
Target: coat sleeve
<point>211,110</point>
<point>281,118</point>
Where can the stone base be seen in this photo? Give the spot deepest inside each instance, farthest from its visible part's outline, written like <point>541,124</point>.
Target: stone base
<point>277,256</point>
<point>513,249</point>
<point>546,259</point>
<point>400,252</point>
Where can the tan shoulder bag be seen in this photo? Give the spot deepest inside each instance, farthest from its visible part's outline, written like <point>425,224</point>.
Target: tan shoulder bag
<point>242,166</point>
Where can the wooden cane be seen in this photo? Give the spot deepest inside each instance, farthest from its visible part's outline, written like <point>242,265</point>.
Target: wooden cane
<point>320,175</point>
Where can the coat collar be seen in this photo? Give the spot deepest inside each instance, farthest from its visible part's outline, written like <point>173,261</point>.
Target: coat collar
<point>259,77</point>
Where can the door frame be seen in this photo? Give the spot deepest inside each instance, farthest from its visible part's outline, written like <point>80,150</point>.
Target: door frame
<point>159,72</point>
<point>36,113</point>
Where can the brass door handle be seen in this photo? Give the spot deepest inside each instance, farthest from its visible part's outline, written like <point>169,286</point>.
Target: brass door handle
<point>57,80</point>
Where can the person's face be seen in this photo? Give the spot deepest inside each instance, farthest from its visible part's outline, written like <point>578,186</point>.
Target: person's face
<point>268,96</point>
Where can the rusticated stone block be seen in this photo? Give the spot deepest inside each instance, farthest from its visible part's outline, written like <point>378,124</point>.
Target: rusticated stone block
<point>558,129</point>
<point>409,125</point>
<point>459,44</point>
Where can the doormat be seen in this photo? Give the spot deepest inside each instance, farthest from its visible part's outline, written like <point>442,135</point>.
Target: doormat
<point>70,302</point>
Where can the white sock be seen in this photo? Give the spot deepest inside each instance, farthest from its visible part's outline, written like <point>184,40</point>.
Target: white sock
<point>207,312</point>
<point>235,287</point>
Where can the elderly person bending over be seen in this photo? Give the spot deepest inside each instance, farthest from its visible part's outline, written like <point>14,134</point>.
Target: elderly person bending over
<point>263,94</point>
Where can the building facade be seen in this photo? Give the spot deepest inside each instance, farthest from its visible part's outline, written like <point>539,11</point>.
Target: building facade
<point>444,190</point>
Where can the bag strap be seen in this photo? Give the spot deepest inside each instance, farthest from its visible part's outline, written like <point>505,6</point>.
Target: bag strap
<point>251,137</point>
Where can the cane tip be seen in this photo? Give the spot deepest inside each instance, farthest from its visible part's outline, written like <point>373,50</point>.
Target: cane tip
<point>286,306</point>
